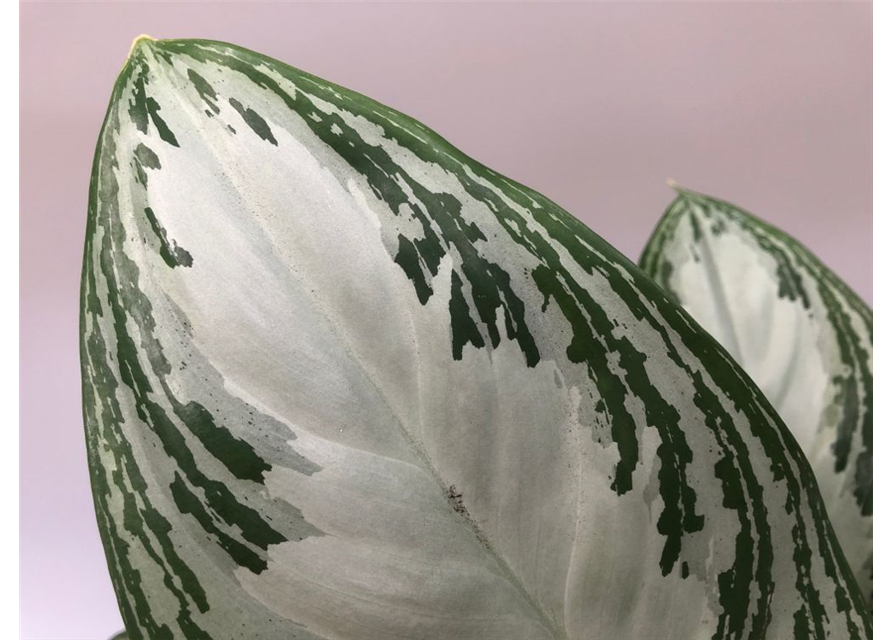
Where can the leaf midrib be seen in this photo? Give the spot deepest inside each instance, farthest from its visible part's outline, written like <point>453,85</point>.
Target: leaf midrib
<point>556,630</point>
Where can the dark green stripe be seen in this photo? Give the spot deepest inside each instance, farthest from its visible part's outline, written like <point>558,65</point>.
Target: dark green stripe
<point>252,119</point>
<point>172,255</point>
<point>205,90</point>
<point>147,158</point>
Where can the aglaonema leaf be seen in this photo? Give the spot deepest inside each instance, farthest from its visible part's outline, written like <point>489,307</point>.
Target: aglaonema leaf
<point>343,381</point>
<point>802,334</point>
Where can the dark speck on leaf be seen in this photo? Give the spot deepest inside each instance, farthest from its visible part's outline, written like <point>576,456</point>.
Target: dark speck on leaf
<point>456,503</point>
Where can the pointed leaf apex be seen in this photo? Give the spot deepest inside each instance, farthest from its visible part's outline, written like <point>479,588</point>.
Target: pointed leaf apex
<point>137,41</point>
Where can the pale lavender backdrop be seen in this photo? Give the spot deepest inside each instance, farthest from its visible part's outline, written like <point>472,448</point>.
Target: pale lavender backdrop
<point>767,105</point>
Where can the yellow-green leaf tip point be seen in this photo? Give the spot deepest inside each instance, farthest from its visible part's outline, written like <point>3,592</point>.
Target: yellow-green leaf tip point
<point>136,41</point>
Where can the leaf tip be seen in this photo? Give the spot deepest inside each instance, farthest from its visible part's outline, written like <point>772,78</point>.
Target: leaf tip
<point>137,41</point>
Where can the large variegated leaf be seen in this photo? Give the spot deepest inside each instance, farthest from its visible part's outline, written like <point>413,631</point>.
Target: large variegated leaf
<point>802,335</point>
<point>342,381</point>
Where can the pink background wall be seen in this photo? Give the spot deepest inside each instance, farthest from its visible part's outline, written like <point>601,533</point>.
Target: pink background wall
<point>767,105</point>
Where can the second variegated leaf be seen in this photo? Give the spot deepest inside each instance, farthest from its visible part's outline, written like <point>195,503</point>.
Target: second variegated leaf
<point>801,333</point>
